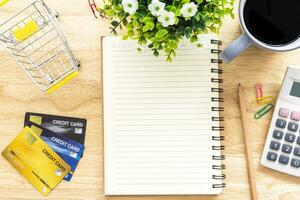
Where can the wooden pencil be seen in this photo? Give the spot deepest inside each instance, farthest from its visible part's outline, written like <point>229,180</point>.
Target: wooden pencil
<point>251,172</point>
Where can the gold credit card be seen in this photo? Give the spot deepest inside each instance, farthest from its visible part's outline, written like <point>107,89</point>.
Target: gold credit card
<point>36,161</point>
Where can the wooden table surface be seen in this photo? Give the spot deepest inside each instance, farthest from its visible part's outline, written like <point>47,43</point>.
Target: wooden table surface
<point>82,98</point>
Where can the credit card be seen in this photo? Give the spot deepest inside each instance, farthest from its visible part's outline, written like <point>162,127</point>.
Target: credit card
<point>70,127</point>
<point>36,161</point>
<point>69,150</point>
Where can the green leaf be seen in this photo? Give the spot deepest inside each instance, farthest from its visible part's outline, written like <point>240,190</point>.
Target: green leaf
<point>130,33</point>
<point>121,15</point>
<point>118,8</point>
<point>194,38</point>
<point>171,8</point>
<point>173,53</point>
<point>214,29</point>
<point>155,53</point>
<point>114,23</point>
<point>135,23</point>
<point>110,12</point>
<point>129,25</point>
<point>188,32</point>
<point>180,30</point>
<point>125,37</point>
<point>177,13</point>
<point>185,1</point>
<point>172,44</point>
<point>161,33</point>
<point>150,45</point>
<point>198,16</point>
<point>149,26</point>
<point>142,41</point>
<point>147,19</point>
<point>155,45</point>
<point>125,22</point>
<point>160,47</point>
<point>169,58</point>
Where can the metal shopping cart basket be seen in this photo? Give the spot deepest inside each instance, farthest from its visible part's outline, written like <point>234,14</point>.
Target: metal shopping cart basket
<point>36,42</point>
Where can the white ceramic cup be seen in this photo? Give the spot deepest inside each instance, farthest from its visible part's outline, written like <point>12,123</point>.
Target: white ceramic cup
<point>247,39</point>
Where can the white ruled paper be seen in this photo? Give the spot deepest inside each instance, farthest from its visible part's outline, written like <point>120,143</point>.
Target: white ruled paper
<point>157,120</point>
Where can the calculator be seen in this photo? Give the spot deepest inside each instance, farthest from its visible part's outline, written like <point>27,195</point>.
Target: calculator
<point>282,148</point>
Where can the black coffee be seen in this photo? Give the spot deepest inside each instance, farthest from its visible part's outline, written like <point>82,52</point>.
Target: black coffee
<point>273,22</point>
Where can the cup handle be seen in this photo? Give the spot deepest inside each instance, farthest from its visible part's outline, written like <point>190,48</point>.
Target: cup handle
<point>235,48</point>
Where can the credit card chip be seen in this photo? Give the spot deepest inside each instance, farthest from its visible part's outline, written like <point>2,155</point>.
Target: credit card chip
<point>30,138</point>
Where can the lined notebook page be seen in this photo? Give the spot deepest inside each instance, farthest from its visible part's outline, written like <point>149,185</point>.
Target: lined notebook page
<point>157,120</point>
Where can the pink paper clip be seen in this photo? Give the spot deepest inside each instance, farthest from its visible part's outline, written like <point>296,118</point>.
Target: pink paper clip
<point>259,92</point>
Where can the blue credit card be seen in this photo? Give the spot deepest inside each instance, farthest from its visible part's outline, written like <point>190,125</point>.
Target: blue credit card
<point>70,127</point>
<point>69,150</point>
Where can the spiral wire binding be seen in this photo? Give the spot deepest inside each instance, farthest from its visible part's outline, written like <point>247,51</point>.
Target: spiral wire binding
<point>218,118</point>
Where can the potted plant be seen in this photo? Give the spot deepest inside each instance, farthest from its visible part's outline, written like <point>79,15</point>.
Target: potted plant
<point>161,24</point>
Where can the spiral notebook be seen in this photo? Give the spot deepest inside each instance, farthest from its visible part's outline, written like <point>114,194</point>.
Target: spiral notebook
<point>161,119</point>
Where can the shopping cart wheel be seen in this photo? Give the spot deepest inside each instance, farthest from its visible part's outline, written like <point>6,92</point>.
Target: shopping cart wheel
<point>78,63</point>
<point>53,13</point>
<point>56,14</point>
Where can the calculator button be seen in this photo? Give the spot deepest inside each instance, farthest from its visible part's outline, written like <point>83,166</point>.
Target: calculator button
<point>298,140</point>
<point>280,123</point>
<point>286,148</point>
<point>292,126</point>
<point>295,115</point>
<point>272,156</point>
<point>283,112</point>
<point>284,159</point>
<point>274,145</point>
<point>295,163</point>
<point>297,151</point>
<point>277,134</point>
<point>289,137</point>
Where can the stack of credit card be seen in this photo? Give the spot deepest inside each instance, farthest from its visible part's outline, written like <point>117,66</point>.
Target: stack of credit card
<point>47,150</point>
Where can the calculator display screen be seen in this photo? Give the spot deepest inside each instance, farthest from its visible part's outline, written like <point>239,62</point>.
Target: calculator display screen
<point>295,91</point>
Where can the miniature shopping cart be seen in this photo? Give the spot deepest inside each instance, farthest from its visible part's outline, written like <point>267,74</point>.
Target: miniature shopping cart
<point>36,42</point>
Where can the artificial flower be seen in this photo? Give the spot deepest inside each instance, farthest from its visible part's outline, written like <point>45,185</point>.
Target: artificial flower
<point>130,6</point>
<point>167,18</point>
<point>188,10</point>
<point>156,7</point>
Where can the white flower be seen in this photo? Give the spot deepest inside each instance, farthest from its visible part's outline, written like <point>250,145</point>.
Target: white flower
<point>167,18</point>
<point>156,7</point>
<point>130,6</point>
<point>188,10</point>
